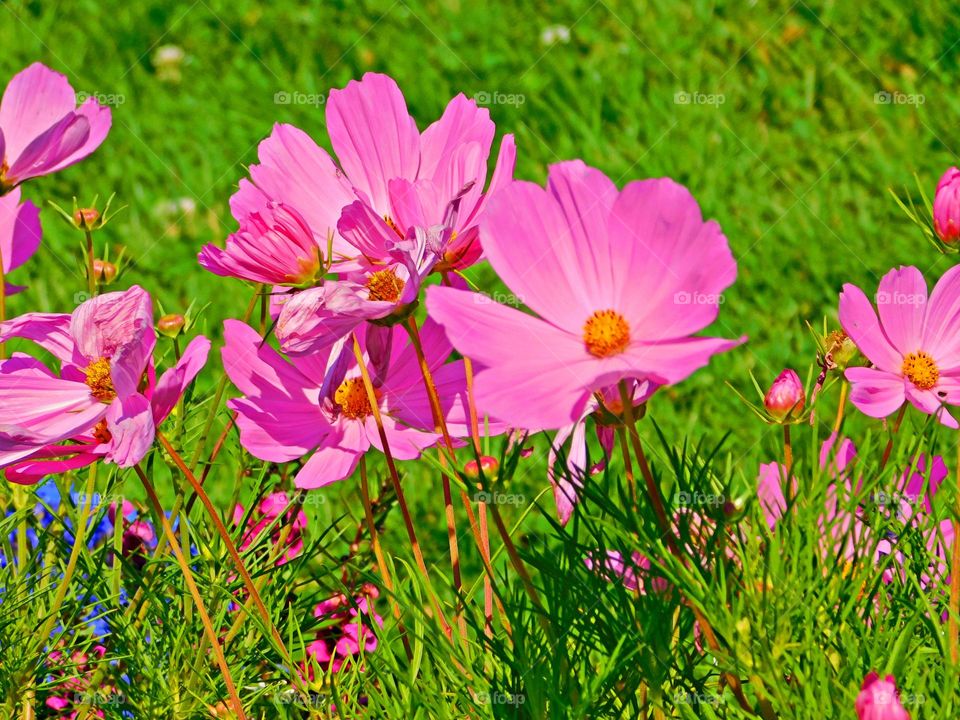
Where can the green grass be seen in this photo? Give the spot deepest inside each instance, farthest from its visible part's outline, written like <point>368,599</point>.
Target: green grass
<point>793,156</point>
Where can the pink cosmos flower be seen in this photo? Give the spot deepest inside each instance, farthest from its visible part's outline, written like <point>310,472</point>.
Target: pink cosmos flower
<point>318,403</point>
<point>567,483</point>
<point>41,128</point>
<point>914,344</point>
<point>946,207</point>
<point>19,233</point>
<point>105,400</point>
<point>635,573</point>
<point>620,279</point>
<point>407,179</point>
<point>268,515</point>
<point>348,631</point>
<point>69,681</point>
<point>274,246</point>
<point>880,700</point>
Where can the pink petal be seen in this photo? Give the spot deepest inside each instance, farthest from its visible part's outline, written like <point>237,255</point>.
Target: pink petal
<point>331,463</point>
<point>373,135</point>
<point>405,443</point>
<point>130,422</point>
<point>35,99</point>
<point>315,319</point>
<point>927,401</point>
<point>669,267</point>
<point>32,471</point>
<point>502,176</point>
<point>902,305</point>
<point>568,482</point>
<point>875,392</point>
<point>174,382</point>
<point>20,230</point>
<point>859,320</point>
<point>51,149</point>
<point>941,336</point>
<point>462,122</point>
<point>51,331</point>
<point>366,231</point>
<point>118,326</point>
<point>667,362</point>
<point>770,492</point>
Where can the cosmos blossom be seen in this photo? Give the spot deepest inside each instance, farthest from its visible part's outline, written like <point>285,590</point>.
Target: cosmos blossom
<point>407,179</point>
<point>317,404</point>
<point>19,234</point>
<point>41,128</point>
<point>879,699</point>
<point>105,401</point>
<point>268,516</point>
<point>274,245</point>
<point>620,280</point>
<point>912,340</point>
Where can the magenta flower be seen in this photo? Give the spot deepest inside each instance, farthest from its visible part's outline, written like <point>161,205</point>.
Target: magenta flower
<point>19,233</point>
<point>914,345</point>
<point>880,700</point>
<point>407,179</point>
<point>138,535</point>
<point>274,245</point>
<point>269,516</point>
<point>620,280</point>
<point>318,403</point>
<point>785,396</point>
<point>41,128</point>
<point>348,631</point>
<point>946,206</point>
<point>105,400</point>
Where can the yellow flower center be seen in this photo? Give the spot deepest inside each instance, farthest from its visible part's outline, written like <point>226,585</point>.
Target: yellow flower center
<point>392,225</point>
<point>606,333</point>
<point>99,380</point>
<point>100,432</point>
<point>351,396</point>
<point>920,369</point>
<point>385,286</point>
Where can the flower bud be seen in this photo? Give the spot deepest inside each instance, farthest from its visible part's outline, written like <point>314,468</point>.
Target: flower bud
<point>171,325</point>
<point>879,700</point>
<point>841,349</point>
<point>488,464</point>
<point>104,272</point>
<point>785,397</point>
<point>946,207</point>
<point>85,217</point>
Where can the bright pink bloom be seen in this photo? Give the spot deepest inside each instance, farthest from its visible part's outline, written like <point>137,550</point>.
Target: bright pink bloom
<point>914,345</point>
<point>41,128</point>
<point>406,178</point>
<point>269,515</point>
<point>318,403</point>
<point>274,245</point>
<point>348,631</point>
<point>105,400</point>
<point>635,573</point>
<point>785,396</point>
<point>620,279</point>
<point>946,206</point>
<point>19,233</point>
<point>138,536</point>
<point>880,700</point>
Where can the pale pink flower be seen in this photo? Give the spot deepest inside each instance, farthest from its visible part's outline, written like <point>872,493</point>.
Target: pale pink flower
<point>406,178</point>
<point>41,128</point>
<point>105,401</point>
<point>620,279</point>
<point>914,344</point>
<point>879,699</point>
<point>316,405</point>
<point>19,234</point>
<point>274,245</point>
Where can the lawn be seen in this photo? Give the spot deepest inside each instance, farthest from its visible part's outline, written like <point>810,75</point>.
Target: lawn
<point>795,125</point>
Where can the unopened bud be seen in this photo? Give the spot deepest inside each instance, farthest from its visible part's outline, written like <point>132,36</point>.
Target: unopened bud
<point>104,271</point>
<point>171,325</point>
<point>85,217</point>
<point>841,349</point>
<point>785,397</point>
<point>946,207</point>
<point>488,464</point>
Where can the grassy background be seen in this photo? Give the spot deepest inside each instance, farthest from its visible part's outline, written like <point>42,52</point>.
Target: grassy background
<point>795,162</point>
